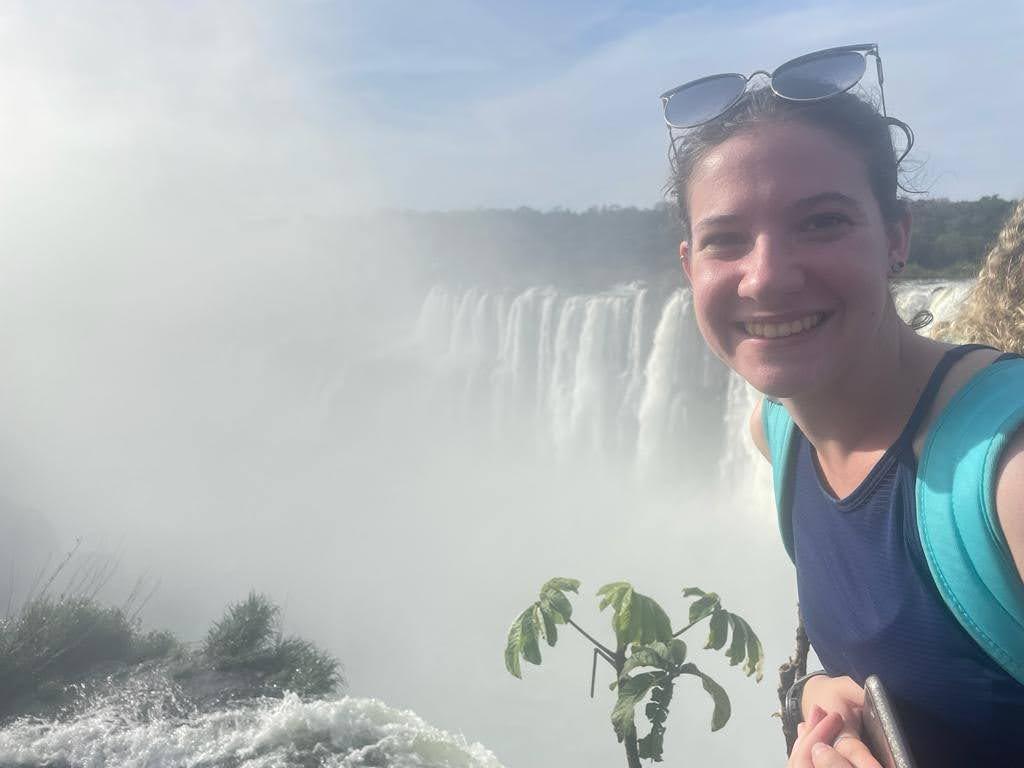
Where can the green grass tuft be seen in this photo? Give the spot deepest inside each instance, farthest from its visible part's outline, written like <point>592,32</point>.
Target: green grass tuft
<point>248,638</point>
<point>51,640</point>
<point>247,629</point>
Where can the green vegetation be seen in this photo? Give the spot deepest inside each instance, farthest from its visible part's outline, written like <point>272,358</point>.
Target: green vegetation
<point>596,248</point>
<point>248,637</point>
<point>644,640</point>
<point>951,238</point>
<point>52,641</point>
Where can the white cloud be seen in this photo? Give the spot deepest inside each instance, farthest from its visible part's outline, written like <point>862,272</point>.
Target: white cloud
<point>167,110</point>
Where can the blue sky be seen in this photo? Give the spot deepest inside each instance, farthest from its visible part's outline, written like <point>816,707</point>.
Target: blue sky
<point>320,107</point>
<point>555,104</point>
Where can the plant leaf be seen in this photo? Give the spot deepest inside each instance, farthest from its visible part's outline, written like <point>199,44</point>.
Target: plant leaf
<point>718,630</point>
<point>738,646</point>
<point>557,604</point>
<point>691,591</point>
<point>704,606</point>
<point>651,746</point>
<point>645,656</point>
<point>514,647</point>
<point>528,636</point>
<point>561,584</point>
<point>631,692</point>
<point>723,709</point>
<point>677,651</point>
<point>613,593</point>
<point>550,625</point>
<point>644,622</point>
<point>755,653</point>
<point>539,620</point>
<point>554,599</point>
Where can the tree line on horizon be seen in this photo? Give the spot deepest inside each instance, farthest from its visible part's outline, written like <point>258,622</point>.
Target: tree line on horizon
<point>603,246</point>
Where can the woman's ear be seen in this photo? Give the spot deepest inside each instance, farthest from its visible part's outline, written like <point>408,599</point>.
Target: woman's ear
<point>899,238</point>
<point>684,259</point>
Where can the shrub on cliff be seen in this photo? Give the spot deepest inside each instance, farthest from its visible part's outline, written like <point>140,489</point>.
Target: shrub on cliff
<point>248,638</point>
<point>50,640</point>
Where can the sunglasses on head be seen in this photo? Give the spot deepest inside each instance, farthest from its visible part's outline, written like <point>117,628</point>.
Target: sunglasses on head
<point>812,77</point>
<point>808,78</point>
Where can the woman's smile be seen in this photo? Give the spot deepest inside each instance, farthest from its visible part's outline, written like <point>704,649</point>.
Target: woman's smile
<point>782,328</point>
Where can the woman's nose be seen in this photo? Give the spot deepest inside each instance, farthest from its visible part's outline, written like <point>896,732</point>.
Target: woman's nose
<point>770,271</point>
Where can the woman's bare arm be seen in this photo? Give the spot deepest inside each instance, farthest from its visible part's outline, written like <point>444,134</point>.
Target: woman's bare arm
<point>757,432</point>
<point>1010,498</point>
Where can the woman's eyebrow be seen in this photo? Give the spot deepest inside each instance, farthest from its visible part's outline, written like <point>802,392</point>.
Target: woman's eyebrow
<point>710,221</point>
<point>825,197</point>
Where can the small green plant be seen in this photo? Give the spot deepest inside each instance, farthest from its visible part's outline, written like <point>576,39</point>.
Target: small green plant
<point>156,644</point>
<point>248,637</point>
<point>247,629</point>
<point>54,639</point>
<point>644,640</point>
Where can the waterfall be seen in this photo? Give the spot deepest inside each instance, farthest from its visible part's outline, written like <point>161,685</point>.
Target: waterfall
<point>591,373</point>
<point>669,371</point>
<point>621,375</point>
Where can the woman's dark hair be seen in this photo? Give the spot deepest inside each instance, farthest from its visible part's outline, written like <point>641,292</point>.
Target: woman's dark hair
<point>845,115</point>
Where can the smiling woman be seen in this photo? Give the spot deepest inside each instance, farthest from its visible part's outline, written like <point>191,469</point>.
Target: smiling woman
<point>793,230</point>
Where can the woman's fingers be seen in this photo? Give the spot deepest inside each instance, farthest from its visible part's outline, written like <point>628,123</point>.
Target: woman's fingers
<point>855,751</point>
<point>823,731</point>
<point>824,756</point>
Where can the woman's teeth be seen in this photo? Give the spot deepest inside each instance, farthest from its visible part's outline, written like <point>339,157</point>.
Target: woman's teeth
<point>778,330</point>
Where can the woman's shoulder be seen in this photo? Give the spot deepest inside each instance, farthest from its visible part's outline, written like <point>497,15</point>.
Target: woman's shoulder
<point>959,374</point>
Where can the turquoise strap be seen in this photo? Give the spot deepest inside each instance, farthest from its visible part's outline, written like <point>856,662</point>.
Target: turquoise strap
<point>778,431</point>
<point>956,512</point>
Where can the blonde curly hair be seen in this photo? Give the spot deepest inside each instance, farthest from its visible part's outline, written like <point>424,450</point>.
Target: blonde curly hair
<point>993,311</point>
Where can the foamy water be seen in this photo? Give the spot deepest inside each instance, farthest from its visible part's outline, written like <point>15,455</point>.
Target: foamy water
<point>345,733</point>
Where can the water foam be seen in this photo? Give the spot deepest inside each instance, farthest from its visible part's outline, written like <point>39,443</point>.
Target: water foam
<point>341,733</point>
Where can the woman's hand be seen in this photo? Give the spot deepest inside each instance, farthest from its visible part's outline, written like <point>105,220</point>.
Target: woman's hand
<point>814,745</point>
<point>835,694</point>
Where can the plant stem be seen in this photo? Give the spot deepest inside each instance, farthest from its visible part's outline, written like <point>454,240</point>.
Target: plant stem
<point>606,654</point>
<point>632,753</point>
<point>630,742</point>
<point>677,634</point>
<point>790,671</point>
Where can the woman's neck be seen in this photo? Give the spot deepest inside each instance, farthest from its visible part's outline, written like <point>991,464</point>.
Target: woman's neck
<point>867,407</point>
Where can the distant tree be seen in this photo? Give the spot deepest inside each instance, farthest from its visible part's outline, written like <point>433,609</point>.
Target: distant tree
<point>644,640</point>
<point>600,247</point>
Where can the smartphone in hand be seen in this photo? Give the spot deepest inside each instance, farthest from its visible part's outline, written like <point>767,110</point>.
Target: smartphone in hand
<point>881,728</point>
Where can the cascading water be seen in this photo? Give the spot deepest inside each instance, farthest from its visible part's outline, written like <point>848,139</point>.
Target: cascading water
<point>597,378</point>
<point>593,375</point>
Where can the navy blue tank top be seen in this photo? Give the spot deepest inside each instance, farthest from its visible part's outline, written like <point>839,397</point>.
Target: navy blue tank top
<point>870,606</point>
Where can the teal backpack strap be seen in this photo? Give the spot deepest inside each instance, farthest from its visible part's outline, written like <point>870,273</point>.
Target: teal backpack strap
<point>956,512</point>
<point>778,430</point>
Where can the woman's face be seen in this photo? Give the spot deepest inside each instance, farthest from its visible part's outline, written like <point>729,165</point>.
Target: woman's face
<point>789,257</point>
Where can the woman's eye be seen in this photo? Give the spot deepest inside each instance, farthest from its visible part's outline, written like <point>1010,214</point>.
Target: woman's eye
<point>722,240</point>
<point>825,222</point>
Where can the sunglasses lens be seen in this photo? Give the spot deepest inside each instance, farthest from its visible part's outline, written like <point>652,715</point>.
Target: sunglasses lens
<point>818,77</point>
<point>703,100</point>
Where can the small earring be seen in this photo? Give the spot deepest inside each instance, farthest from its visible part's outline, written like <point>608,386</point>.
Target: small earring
<point>896,267</point>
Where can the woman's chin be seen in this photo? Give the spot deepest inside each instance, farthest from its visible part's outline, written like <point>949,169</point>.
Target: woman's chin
<point>779,381</point>
<point>784,367</point>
